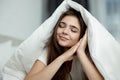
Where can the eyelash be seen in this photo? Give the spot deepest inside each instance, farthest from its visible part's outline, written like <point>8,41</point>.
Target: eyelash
<point>72,29</point>
<point>61,26</point>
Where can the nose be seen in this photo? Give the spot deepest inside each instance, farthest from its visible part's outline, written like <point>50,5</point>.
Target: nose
<point>66,31</point>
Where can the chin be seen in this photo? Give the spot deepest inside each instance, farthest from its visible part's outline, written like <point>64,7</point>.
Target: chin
<point>65,45</point>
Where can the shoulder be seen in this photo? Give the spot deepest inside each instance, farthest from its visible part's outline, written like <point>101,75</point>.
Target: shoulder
<point>37,66</point>
<point>43,57</point>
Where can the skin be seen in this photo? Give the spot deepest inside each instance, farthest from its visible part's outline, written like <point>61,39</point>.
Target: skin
<point>69,38</point>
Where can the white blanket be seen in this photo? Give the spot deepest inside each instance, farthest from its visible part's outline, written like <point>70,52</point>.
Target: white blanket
<point>104,49</point>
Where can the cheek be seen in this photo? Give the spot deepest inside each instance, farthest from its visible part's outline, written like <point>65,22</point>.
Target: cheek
<point>58,31</point>
<point>75,39</point>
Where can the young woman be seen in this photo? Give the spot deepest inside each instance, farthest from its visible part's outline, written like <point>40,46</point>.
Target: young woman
<point>66,46</point>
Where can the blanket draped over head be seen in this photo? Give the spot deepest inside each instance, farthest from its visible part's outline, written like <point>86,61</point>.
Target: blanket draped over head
<point>104,49</point>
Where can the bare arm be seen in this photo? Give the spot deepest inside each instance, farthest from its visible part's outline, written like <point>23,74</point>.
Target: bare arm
<point>88,67</point>
<point>41,72</point>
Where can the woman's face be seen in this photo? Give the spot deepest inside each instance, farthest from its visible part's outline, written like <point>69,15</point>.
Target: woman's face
<point>68,31</point>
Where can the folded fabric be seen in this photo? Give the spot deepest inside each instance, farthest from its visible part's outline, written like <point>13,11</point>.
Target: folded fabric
<point>104,49</point>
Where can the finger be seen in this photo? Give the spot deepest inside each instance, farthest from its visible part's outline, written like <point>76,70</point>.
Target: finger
<point>86,34</point>
<point>85,37</point>
<point>74,48</point>
<point>83,41</point>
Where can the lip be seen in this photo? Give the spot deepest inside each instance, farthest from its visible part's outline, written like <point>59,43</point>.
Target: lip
<point>63,38</point>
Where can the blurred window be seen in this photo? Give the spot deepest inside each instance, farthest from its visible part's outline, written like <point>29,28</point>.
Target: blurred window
<point>113,12</point>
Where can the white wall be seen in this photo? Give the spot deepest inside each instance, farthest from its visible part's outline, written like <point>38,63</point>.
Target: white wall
<point>19,18</point>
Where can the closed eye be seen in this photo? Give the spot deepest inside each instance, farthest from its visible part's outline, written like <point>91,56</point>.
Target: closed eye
<point>74,29</point>
<point>62,24</point>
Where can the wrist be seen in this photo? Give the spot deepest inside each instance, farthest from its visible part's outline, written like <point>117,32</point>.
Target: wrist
<point>79,53</point>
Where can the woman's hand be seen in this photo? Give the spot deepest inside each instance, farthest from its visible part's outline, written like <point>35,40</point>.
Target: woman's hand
<point>70,53</point>
<point>89,68</point>
<point>83,43</point>
<point>78,47</point>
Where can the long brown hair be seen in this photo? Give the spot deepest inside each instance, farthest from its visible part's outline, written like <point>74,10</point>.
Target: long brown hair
<point>55,50</point>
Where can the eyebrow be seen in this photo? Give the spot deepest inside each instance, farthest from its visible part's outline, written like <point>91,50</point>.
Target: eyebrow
<point>74,27</point>
<point>62,22</point>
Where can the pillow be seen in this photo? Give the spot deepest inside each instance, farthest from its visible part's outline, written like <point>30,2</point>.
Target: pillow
<point>6,51</point>
<point>104,49</point>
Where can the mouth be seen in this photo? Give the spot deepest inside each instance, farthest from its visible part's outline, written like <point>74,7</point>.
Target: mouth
<point>63,38</point>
